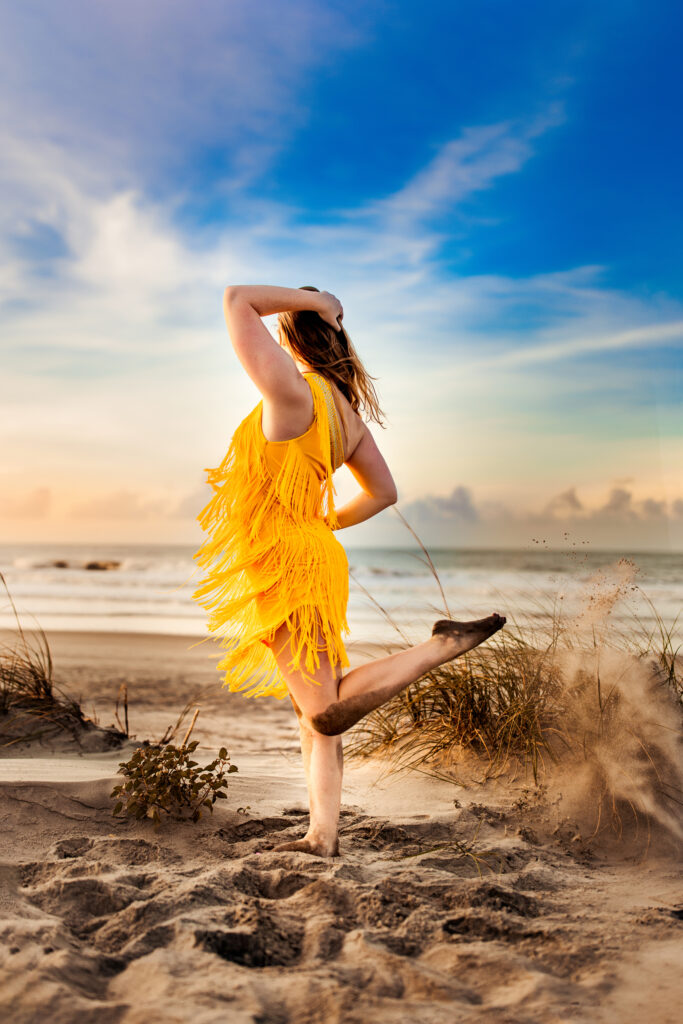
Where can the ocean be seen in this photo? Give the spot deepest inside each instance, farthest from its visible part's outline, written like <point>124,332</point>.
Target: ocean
<point>392,592</point>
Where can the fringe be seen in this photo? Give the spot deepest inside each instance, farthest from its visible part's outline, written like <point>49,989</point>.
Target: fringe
<point>270,557</point>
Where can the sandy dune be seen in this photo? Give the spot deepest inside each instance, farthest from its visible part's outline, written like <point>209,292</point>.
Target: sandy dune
<point>447,904</point>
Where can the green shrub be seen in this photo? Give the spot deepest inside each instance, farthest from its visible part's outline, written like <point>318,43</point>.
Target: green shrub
<point>164,780</point>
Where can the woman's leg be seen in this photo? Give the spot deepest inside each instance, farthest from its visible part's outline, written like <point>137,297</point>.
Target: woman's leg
<point>323,759</point>
<point>367,687</point>
<point>322,755</point>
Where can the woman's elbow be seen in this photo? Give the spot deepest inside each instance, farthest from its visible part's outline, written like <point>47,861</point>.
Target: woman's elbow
<point>391,497</point>
<point>234,293</point>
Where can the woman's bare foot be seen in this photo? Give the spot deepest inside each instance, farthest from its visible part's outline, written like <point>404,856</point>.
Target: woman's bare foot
<point>311,844</point>
<point>459,637</point>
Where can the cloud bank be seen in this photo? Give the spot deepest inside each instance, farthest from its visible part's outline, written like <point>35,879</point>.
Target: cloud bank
<point>458,519</point>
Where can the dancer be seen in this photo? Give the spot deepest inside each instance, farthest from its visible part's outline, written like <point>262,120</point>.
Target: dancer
<point>276,578</point>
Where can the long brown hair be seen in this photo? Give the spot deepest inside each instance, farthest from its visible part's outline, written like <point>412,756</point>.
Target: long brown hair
<point>332,354</point>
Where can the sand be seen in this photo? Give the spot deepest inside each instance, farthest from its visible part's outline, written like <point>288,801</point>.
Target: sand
<point>448,903</point>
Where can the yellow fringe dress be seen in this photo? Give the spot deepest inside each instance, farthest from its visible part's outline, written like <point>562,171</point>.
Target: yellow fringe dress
<point>271,555</point>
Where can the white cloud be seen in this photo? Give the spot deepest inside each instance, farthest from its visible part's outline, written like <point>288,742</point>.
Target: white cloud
<point>619,505</point>
<point>639,337</point>
<point>565,503</point>
<point>457,506</point>
<point>461,520</point>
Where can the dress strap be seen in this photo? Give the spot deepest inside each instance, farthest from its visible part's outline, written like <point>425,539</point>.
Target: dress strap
<point>336,439</point>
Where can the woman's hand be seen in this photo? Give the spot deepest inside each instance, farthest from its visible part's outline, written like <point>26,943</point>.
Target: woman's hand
<point>330,309</point>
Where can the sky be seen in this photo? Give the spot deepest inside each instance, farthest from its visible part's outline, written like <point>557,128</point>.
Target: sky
<point>491,188</point>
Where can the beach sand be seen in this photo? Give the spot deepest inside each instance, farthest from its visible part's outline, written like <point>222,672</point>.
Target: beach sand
<point>447,904</point>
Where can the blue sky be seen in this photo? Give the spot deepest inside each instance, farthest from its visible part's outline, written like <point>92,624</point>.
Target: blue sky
<point>603,189</point>
<point>492,189</point>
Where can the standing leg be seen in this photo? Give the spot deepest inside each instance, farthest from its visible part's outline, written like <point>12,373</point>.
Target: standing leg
<point>323,760</point>
<point>322,756</point>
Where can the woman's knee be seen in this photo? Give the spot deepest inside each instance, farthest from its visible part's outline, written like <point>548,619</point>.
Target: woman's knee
<point>316,719</point>
<point>313,704</point>
<point>330,721</point>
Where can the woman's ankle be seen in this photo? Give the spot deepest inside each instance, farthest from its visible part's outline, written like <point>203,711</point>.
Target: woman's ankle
<point>326,837</point>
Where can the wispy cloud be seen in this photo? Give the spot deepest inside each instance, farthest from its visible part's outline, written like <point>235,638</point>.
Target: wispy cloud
<point>470,163</point>
<point>403,231</point>
<point>135,89</point>
<point>638,337</point>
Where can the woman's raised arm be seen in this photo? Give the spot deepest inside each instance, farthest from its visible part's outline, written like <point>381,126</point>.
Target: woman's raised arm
<point>267,299</point>
<point>270,367</point>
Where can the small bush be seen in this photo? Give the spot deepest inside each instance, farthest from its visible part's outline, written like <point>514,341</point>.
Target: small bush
<point>164,780</point>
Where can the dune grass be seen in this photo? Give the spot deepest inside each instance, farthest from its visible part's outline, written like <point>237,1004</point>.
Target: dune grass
<point>500,700</point>
<point>507,698</point>
<point>30,705</point>
<point>546,695</point>
<point>33,708</point>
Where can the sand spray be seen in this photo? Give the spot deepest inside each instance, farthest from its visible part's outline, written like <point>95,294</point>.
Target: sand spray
<point>620,744</point>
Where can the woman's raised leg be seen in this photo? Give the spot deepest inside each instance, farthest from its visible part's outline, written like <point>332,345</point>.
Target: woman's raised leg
<point>367,687</point>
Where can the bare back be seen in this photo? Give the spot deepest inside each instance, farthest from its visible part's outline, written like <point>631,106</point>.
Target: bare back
<point>361,453</point>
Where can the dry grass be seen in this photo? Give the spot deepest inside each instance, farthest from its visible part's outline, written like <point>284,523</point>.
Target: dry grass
<point>552,696</point>
<point>657,643</point>
<point>500,700</point>
<point>31,706</point>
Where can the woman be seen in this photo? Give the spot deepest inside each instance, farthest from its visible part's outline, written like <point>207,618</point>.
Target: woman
<point>276,581</point>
